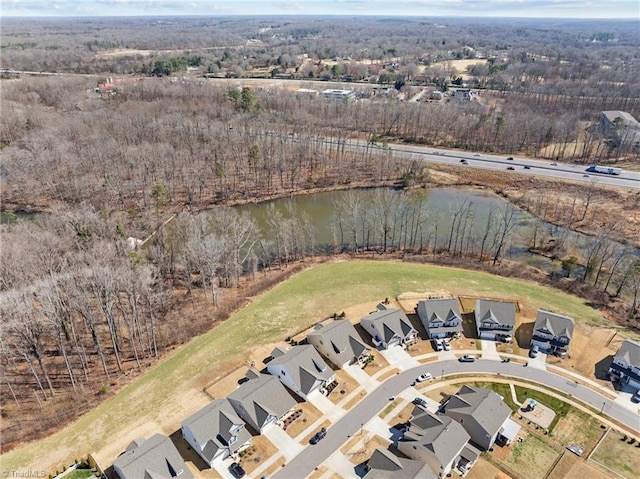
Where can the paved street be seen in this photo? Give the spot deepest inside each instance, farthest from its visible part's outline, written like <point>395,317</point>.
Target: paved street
<point>305,462</point>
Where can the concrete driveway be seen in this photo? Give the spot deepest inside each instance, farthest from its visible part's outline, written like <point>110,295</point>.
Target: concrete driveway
<point>489,350</point>
<point>398,357</point>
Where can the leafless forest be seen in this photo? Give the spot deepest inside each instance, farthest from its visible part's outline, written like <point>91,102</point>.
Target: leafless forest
<point>81,310</point>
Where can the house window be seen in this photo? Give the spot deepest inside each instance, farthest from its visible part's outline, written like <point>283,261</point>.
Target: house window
<point>232,439</point>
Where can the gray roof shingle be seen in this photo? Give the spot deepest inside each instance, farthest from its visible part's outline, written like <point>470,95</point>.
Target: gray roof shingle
<point>342,338</point>
<point>389,323</point>
<point>498,312</point>
<point>304,365</point>
<point>213,426</point>
<point>383,464</point>
<point>630,352</point>
<point>484,405</point>
<point>153,458</point>
<point>259,398</point>
<point>555,324</point>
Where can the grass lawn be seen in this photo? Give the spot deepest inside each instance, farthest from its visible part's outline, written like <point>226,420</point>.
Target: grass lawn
<point>618,455</point>
<point>577,427</point>
<point>531,458</point>
<point>290,307</point>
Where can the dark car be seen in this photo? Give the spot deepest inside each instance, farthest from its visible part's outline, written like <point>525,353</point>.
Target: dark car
<point>420,402</point>
<point>236,470</point>
<point>526,167</point>
<point>506,360</point>
<point>510,168</point>
<point>318,436</point>
<point>510,158</point>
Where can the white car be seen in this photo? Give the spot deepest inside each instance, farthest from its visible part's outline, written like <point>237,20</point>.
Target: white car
<point>424,377</point>
<point>446,345</point>
<point>437,344</point>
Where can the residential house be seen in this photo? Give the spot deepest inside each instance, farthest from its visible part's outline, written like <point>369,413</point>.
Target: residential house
<point>301,369</point>
<point>339,342</point>
<point>463,94</point>
<point>383,464</point>
<point>153,457</point>
<point>440,317</point>
<point>389,327</point>
<point>261,400</point>
<point>626,364</point>
<point>439,441</point>
<point>483,414</point>
<point>552,333</point>
<point>621,127</point>
<point>216,431</point>
<point>495,320</point>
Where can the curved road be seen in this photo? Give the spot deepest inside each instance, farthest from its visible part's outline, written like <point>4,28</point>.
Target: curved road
<point>310,457</point>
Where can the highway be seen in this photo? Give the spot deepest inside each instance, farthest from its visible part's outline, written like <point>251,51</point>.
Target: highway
<point>312,456</point>
<point>564,171</point>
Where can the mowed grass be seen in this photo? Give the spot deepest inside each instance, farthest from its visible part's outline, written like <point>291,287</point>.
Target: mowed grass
<point>290,307</point>
<point>618,455</point>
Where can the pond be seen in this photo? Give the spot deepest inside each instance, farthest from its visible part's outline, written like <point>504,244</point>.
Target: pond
<point>437,207</point>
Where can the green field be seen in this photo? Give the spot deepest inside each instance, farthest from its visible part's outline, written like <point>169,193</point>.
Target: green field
<point>288,308</point>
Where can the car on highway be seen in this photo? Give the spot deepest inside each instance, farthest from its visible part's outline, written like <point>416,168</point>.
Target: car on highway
<point>510,158</point>
<point>420,402</point>
<point>586,175</point>
<point>318,436</point>
<point>476,154</point>
<point>424,377</point>
<point>467,358</point>
<point>526,167</point>
<point>510,168</point>
<point>554,164</point>
<point>506,360</point>
<point>237,470</point>
<point>464,162</point>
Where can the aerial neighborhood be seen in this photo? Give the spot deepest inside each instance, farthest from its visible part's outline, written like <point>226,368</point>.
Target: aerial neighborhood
<point>434,438</point>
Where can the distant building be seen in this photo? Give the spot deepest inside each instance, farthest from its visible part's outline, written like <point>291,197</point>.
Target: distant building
<point>621,127</point>
<point>307,92</point>
<point>463,94</point>
<point>338,96</point>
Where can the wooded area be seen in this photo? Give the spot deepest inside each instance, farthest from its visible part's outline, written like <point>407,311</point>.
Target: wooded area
<point>82,311</point>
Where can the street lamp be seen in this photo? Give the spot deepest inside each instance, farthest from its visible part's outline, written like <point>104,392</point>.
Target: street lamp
<point>361,430</point>
<point>602,408</point>
<point>442,375</point>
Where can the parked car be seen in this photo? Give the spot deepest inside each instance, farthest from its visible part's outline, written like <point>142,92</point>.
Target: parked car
<point>424,377</point>
<point>437,344</point>
<point>467,358</point>
<point>636,397</point>
<point>236,470</point>
<point>420,402</point>
<point>533,352</point>
<point>446,345</point>
<point>318,436</point>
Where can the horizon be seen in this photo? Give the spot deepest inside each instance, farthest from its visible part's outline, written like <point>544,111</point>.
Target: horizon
<point>524,9</point>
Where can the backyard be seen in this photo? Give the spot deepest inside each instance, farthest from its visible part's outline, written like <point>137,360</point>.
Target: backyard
<point>532,458</point>
<point>616,453</point>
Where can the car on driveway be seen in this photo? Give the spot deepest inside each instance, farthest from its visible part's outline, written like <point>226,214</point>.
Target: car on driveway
<point>318,436</point>
<point>437,344</point>
<point>446,345</point>
<point>467,358</point>
<point>236,470</point>
<point>636,397</point>
<point>424,377</point>
<point>420,402</point>
<point>533,352</point>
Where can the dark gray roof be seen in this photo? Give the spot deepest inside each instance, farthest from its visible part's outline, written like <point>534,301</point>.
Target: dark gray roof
<point>154,458</point>
<point>260,398</point>
<point>444,309</point>
<point>630,352</point>
<point>484,405</point>
<point>213,426</point>
<point>383,464</point>
<point>499,312</point>
<point>305,366</point>
<point>555,324</point>
<point>440,434</point>
<point>389,323</point>
<point>342,338</point>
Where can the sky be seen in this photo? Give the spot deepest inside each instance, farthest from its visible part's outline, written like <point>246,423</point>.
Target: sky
<point>629,9</point>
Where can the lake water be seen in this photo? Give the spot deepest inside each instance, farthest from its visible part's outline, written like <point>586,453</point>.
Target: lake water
<point>440,205</point>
